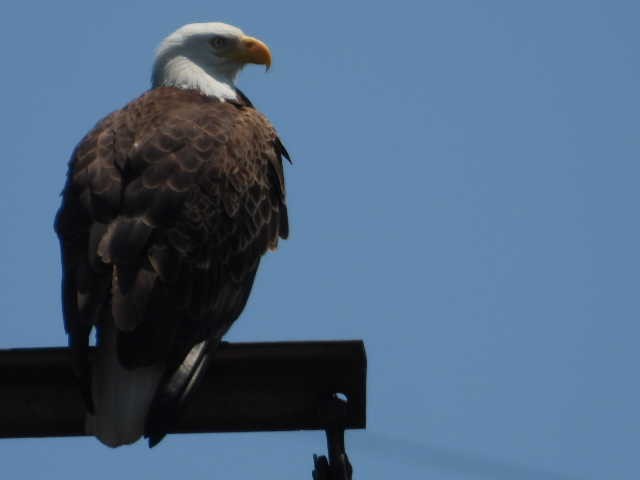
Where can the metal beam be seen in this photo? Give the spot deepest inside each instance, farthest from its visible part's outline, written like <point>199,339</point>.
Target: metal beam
<point>249,387</point>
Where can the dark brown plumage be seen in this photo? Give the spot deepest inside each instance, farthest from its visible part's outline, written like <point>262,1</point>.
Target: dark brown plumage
<point>169,205</point>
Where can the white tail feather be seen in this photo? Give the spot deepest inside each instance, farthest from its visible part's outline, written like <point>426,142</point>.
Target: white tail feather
<point>121,397</point>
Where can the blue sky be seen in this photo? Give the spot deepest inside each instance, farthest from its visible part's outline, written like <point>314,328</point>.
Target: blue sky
<point>463,197</point>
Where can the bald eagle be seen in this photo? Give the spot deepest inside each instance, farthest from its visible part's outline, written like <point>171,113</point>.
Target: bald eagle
<point>169,204</point>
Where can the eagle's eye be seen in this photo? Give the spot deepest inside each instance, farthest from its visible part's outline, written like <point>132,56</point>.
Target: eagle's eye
<point>218,42</point>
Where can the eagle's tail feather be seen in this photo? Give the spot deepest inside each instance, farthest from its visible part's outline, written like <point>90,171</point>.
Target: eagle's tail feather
<point>121,397</point>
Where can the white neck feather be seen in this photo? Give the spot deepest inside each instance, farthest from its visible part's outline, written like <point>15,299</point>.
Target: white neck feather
<point>183,72</point>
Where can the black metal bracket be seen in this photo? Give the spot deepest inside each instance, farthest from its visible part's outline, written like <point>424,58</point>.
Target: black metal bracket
<point>337,465</point>
<point>248,387</point>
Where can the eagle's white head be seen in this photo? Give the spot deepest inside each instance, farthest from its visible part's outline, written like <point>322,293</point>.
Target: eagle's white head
<point>207,57</point>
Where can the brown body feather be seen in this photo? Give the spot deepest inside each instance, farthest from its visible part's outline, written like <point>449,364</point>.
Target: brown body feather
<point>169,204</point>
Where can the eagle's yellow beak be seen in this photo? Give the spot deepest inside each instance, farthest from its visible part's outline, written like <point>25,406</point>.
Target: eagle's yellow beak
<point>252,50</point>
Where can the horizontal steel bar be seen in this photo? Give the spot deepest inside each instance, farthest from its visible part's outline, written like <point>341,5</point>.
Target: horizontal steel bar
<point>249,387</point>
